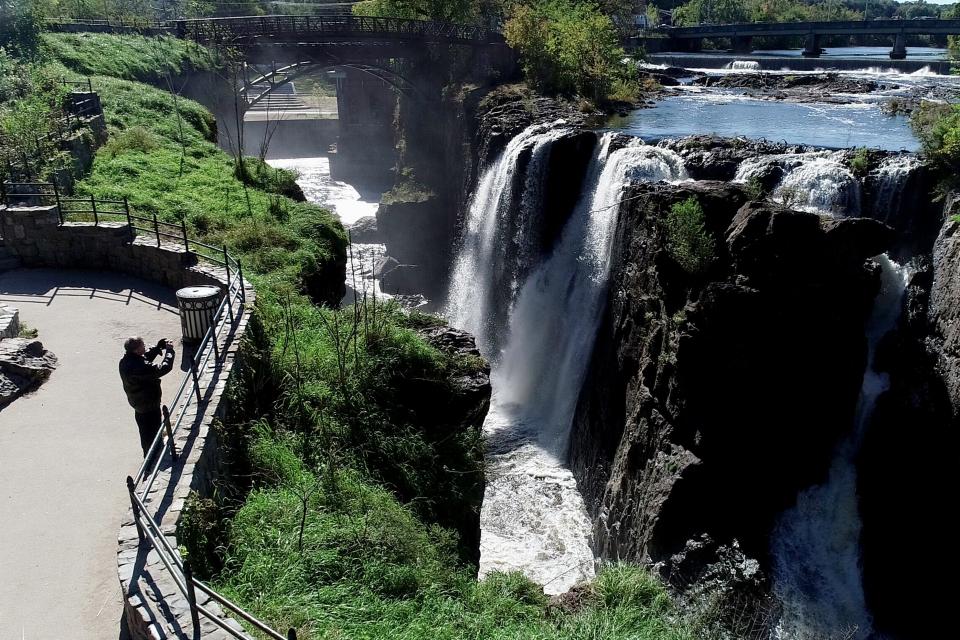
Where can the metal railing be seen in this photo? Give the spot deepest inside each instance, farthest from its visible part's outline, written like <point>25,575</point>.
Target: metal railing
<point>82,102</point>
<point>347,25</point>
<point>139,486</point>
<point>223,321</point>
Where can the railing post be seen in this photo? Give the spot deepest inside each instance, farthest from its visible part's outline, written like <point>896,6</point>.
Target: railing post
<point>243,290</point>
<point>133,505</point>
<point>169,430</point>
<point>196,379</point>
<point>93,206</point>
<point>126,208</point>
<point>156,228</point>
<point>56,195</point>
<point>191,595</point>
<point>186,241</point>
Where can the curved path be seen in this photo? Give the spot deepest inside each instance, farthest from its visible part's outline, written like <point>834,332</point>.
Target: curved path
<point>66,448</point>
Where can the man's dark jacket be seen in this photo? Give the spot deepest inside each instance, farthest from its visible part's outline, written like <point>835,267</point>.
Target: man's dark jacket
<point>141,378</point>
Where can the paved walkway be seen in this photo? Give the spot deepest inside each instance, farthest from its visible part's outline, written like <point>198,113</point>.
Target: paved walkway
<point>66,448</point>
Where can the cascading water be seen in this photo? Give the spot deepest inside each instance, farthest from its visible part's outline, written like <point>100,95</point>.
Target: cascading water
<point>819,181</point>
<point>890,180</point>
<point>816,544</point>
<point>533,518</point>
<point>500,234</point>
<point>743,65</point>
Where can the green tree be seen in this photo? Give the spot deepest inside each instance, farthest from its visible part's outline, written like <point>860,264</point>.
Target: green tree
<point>20,24</point>
<point>688,240</point>
<point>462,11</point>
<point>566,47</point>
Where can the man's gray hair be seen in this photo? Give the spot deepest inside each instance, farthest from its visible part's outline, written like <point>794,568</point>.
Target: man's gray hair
<point>131,343</point>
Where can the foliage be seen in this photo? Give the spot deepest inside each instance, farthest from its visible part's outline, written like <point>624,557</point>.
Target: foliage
<point>31,102</point>
<point>460,11</point>
<point>20,25</point>
<point>688,241</point>
<point>567,47</point>
<point>860,162</point>
<point>727,11</point>
<point>133,140</point>
<point>332,555</point>
<point>755,189</point>
<point>938,127</point>
<point>129,56</point>
<point>201,533</point>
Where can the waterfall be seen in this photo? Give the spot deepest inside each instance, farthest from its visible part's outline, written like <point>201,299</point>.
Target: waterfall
<point>743,65</point>
<point>816,544</point>
<point>500,236</point>
<point>890,179</point>
<point>533,518</point>
<point>819,181</point>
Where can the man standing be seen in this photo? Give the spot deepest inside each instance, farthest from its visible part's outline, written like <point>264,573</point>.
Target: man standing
<point>141,382</point>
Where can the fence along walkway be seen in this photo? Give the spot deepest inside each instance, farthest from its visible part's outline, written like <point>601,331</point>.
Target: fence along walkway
<point>147,497</point>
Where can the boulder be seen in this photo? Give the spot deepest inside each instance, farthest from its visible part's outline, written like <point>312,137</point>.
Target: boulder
<point>24,364</point>
<point>364,231</point>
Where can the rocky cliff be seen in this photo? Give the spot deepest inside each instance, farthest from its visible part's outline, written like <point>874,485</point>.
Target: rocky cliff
<point>906,466</point>
<point>712,398</point>
<point>442,150</point>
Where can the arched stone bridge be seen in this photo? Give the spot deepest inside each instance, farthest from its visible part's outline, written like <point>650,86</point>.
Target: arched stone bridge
<point>741,35</point>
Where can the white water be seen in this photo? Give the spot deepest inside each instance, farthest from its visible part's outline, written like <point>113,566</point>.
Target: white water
<point>891,179</point>
<point>533,518</point>
<point>319,187</point>
<point>500,229</point>
<point>816,544</point>
<point>743,65</point>
<point>819,182</point>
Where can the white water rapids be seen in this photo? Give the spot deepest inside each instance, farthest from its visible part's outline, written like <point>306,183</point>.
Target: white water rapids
<point>539,342</point>
<point>819,181</point>
<point>816,544</point>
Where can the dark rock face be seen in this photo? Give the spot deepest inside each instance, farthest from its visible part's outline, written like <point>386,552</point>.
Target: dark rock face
<point>708,157</point>
<point>711,400</point>
<point>24,364</point>
<point>907,462</point>
<point>459,406</point>
<point>365,230</point>
<point>821,87</point>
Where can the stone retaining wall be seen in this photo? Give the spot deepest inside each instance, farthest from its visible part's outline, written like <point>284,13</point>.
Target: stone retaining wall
<point>154,608</point>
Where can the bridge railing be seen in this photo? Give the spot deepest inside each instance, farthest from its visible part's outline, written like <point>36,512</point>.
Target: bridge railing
<point>225,28</point>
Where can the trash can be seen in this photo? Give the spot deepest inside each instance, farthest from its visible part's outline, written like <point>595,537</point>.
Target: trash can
<point>197,306</point>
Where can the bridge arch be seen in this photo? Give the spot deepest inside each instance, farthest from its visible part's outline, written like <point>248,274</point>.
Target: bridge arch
<point>259,88</point>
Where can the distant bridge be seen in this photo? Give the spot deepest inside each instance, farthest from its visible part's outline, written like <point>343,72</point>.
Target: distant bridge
<point>741,35</point>
<point>369,45</point>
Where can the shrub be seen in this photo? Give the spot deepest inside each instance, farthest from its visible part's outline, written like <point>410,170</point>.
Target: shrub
<point>135,139</point>
<point>567,47</point>
<point>860,162</point>
<point>688,241</point>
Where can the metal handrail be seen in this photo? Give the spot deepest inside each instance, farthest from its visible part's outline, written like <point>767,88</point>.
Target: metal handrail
<point>148,529</point>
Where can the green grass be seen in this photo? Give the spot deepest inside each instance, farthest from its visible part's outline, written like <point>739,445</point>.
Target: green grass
<point>128,57</point>
<point>162,157</point>
<point>366,568</point>
<point>361,475</point>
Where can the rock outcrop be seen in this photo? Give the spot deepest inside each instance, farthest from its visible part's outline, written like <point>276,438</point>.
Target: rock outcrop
<point>910,451</point>
<point>712,398</point>
<point>24,364</point>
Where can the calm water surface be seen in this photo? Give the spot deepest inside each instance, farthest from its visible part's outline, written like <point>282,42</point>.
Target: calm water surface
<point>858,124</point>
